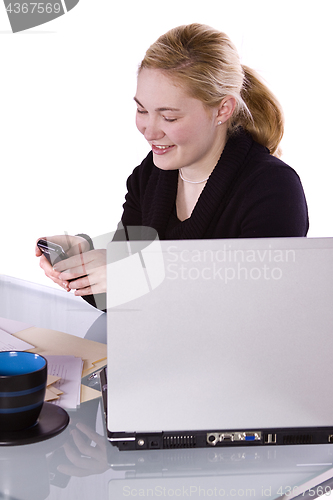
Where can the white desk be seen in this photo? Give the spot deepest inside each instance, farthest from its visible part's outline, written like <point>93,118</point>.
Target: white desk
<point>70,466</point>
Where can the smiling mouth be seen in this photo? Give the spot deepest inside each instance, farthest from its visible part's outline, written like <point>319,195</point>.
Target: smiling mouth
<point>160,149</point>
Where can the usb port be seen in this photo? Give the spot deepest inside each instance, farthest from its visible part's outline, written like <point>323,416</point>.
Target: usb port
<point>270,438</point>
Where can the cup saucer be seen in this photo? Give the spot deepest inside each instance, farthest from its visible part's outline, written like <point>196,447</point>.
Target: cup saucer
<point>52,421</point>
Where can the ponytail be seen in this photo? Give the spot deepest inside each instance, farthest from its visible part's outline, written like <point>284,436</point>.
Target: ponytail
<point>265,121</point>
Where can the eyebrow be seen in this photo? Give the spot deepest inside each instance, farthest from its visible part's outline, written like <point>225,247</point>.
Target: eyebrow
<point>157,109</point>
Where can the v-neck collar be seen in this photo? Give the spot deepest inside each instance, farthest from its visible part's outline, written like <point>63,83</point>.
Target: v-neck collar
<point>212,200</point>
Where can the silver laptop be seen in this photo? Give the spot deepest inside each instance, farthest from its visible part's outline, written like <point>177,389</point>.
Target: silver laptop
<point>219,343</point>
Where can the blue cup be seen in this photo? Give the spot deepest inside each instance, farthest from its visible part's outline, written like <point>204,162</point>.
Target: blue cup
<point>23,379</point>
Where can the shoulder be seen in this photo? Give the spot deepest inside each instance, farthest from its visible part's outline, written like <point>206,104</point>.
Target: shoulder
<point>254,166</point>
<point>269,194</point>
<point>262,169</point>
<point>273,190</point>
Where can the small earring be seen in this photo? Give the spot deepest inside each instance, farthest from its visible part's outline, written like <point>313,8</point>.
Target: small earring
<point>219,123</point>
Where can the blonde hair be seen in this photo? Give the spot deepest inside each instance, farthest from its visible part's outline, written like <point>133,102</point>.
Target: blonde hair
<point>206,63</point>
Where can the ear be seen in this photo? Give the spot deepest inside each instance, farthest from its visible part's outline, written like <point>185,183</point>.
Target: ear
<point>225,110</point>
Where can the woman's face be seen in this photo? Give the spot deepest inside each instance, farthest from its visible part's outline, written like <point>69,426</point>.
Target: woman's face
<point>182,132</point>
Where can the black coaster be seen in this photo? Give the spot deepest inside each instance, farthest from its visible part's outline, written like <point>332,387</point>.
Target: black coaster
<point>52,421</point>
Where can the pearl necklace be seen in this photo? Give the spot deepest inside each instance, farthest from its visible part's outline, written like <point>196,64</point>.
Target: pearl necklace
<point>191,182</point>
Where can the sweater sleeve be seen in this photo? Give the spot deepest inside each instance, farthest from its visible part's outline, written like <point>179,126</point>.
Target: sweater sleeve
<point>132,212</point>
<point>136,188</point>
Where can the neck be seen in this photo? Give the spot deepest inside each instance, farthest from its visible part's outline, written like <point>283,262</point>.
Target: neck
<point>199,173</point>
<point>189,181</point>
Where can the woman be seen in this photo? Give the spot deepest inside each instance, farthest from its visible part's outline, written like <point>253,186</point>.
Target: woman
<point>213,171</point>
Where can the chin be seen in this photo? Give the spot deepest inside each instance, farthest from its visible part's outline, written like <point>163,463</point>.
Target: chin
<point>164,165</point>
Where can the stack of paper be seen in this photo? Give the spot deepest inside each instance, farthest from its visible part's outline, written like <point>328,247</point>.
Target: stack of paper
<point>10,343</point>
<point>52,393</point>
<point>68,371</point>
<point>51,342</point>
<point>69,358</point>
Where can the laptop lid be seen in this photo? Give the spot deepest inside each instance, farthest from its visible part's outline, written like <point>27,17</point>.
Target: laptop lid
<point>219,341</point>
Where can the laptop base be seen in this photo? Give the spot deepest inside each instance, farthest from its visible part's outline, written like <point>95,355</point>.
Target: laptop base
<point>126,441</point>
<point>212,439</point>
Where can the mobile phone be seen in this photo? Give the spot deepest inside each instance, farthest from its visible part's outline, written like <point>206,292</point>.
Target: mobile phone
<point>53,252</point>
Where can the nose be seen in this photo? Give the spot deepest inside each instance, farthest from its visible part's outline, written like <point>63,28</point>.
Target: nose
<point>151,130</point>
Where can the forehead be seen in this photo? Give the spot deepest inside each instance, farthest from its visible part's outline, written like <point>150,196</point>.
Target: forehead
<point>154,87</point>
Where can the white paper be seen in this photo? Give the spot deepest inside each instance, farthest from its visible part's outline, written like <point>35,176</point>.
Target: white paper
<point>10,343</point>
<point>13,326</point>
<point>69,368</point>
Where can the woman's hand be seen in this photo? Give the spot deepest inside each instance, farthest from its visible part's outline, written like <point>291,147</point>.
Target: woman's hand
<point>72,245</point>
<point>85,272</point>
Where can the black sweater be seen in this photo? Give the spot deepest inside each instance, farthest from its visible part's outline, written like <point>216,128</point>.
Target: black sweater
<point>250,194</point>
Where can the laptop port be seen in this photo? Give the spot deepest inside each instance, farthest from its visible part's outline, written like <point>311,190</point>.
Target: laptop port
<point>231,437</point>
<point>250,437</point>
<point>213,438</point>
<point>154,444</point>
<point>270,438</point>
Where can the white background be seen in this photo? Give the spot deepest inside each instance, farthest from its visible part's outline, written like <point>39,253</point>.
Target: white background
<point>68,137</point>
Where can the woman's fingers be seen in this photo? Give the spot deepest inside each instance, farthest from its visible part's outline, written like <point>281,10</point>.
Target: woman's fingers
<point>51,273</point>
<point>73,245</point>
<point>86,273</point>
<point>83,271</point>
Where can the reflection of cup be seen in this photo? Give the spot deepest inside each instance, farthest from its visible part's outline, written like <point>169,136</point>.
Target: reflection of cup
<point>23,378</point>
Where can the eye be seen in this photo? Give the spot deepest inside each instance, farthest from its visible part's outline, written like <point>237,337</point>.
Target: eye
<point>169,119</point>
<point>141,111</point>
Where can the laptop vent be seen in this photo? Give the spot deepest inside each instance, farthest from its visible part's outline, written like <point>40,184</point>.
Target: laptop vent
<point>297,439</point>
<point>185,441</point>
